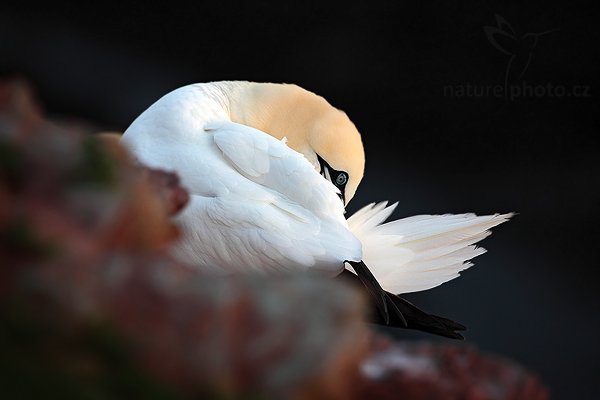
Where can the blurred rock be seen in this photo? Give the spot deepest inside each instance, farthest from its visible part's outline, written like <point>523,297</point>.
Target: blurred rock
<point>93,306</point>
<point>84,234</point>
<point>434,371</point>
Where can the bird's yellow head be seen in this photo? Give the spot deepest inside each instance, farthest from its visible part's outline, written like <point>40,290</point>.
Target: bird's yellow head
<point>339,150</point>
<point>312,126</point>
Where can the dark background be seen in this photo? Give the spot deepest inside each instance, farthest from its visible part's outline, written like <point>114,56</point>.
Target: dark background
<point>533,296</point>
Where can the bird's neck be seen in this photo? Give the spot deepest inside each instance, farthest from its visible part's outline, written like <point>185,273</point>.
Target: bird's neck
<point>281,110</point>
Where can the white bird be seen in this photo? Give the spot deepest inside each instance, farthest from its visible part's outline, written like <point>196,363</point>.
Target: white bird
<point>270,168</point>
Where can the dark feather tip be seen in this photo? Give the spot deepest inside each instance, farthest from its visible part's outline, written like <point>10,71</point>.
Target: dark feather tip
<point>385,304</point>
<point>394,311</point>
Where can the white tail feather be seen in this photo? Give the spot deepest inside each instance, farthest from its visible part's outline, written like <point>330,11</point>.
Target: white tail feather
<point>420,252</point>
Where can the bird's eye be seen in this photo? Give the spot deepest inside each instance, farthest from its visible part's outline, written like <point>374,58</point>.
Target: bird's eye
<point>341,179</point>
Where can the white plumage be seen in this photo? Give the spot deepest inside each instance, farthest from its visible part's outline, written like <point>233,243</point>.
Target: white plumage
<point>255,203</point>
<point>420,252</point>
<point>258,204</point>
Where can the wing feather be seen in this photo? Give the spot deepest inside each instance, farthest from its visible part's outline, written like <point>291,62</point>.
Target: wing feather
<point>272,164</point>
<point>419,252</point>
<point>276,212</point>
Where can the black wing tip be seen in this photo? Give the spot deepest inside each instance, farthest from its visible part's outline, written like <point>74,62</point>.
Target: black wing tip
<point>454,335</point>
<point>402,323</point>
<point>446,330</point>
<point>383,300</point>
<point>385,314</point>
<point>449,329</point>
<point>450,324</point>
<point>422,321</point>
<point>395,312</point>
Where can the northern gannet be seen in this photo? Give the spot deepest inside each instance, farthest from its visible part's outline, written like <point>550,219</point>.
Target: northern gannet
<point>270,168</point>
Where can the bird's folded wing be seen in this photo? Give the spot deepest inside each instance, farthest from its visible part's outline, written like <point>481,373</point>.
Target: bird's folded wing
<point>271,163</point>
<point>235,235</point>
<point>274,210</point>
<point>420,252</point>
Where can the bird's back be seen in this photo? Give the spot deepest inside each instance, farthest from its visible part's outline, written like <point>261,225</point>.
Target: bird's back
<point>255,203</point>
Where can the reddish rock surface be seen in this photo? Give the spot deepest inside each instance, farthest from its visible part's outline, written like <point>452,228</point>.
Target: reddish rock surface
<point>422,370</point>
<point>92,305</point>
